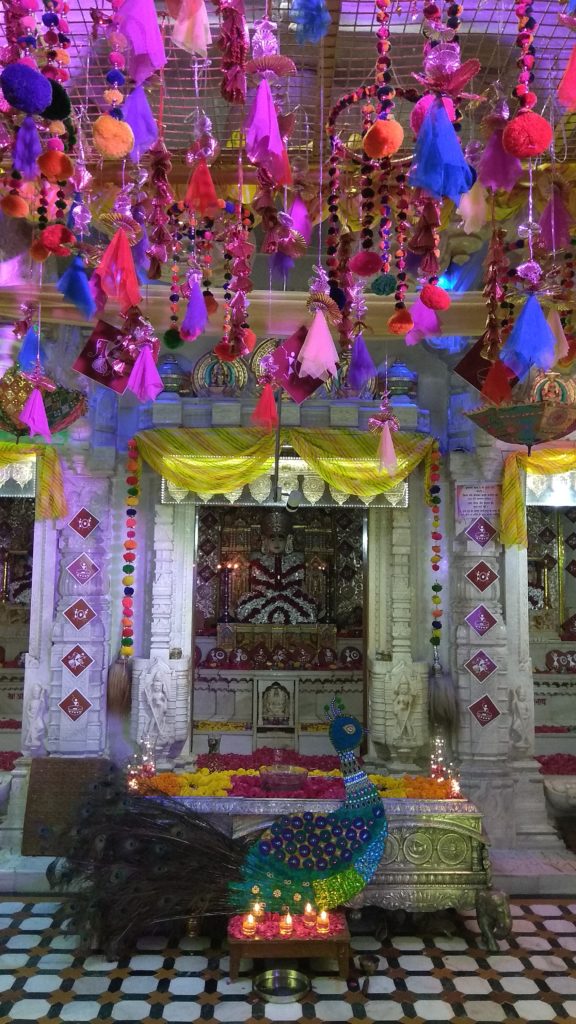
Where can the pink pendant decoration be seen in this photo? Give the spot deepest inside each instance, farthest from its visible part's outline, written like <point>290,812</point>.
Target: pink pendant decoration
<point>144,380</point>
<point>388,459</point>
<point>264,144</point>
<point>265,414</point>
<point>318,356</point>
<point>33,415</point>
<point>567,89</point>
<point>561,348</point>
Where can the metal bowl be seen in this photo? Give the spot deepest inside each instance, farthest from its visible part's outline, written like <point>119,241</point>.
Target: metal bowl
<point>281,778</point>
<point>281,985</point>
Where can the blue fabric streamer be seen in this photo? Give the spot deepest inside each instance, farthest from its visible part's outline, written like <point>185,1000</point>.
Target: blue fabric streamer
<point>530,343</point>
<point>29,351</point>
<point>439,167</point>
<point>74,286</point>
<point>138,115</point>
<point>312,20</point>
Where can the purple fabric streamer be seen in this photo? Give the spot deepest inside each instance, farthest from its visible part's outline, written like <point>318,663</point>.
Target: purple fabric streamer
<point>33,415</point>
<point>555,223</point>
<point>196,316</point>
<point>497,169</point>
<point>139,23</point>
<point>27,149</point>
<point>425,320</point>
<point>264,144</point>
<point>144,380</point>
<point>138,115</point>
<point>301,218</point>
<point>361,364</point>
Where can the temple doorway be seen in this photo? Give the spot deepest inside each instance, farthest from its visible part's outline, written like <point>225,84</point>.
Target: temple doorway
<point>16,543</point>
<point>278,623</point>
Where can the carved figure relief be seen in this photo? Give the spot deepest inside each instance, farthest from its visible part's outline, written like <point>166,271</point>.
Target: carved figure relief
<point>155,705</point>
<point>34,723</point>
<point>521,727</point>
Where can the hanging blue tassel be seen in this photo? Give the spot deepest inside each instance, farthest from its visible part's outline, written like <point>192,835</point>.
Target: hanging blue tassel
<point>138,115</point>
<point>530,343</point>
<point>74,286</point>
<point>29,351</point>
<point>439,167</point>
<point>280,266</point>
<point>361,364</point>
<point>312,20</point>
<point>27,149</point>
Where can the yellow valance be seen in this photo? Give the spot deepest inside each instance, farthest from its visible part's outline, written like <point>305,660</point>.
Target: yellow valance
<point>542,461</point>
<point>221,459</point>
<point>50,499</point>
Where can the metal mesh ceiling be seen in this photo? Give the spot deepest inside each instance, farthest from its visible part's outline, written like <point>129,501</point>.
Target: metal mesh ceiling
<point>344,60</point>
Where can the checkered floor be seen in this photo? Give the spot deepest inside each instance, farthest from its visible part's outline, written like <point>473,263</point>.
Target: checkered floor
<point>421,977</point>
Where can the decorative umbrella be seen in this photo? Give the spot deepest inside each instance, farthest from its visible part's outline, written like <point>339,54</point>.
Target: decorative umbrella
<point>528,423</point>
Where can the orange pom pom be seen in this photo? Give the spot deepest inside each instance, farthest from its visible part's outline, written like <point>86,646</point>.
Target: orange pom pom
<point>210,303</point>
<point>113,139</point>
<point>14,206</point>
<point>55,166</point>
<point>434,297</point>
<point>383,139</point>
<point>528,134</point>
<point>400,322</point>
<point>39,252</point>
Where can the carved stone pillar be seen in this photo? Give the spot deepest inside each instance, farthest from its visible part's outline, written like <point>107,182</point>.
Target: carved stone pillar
<point>379,624</point>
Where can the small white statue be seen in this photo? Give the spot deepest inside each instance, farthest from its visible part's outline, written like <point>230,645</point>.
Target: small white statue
<point>34,724</point>
<point>520,719</point>
<point>402,710</point>
<point>156,702</point>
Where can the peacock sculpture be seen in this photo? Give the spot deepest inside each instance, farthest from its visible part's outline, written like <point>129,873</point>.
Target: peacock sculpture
<point>139,864</point>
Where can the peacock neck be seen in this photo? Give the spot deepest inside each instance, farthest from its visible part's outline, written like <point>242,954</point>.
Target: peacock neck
<point>360,792</point>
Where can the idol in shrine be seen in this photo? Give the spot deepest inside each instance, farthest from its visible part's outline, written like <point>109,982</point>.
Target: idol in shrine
<point>276,577</point>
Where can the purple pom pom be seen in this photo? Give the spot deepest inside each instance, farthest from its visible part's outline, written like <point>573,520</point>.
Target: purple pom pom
<point>27,149</point>
<point>25,89</point>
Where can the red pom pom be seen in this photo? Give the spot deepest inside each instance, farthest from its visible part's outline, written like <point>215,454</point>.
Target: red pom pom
<point>383,139</point>
<point>365,264</point>
<point>57,238</point>
<point>528,134</point>
<point>434,297</point>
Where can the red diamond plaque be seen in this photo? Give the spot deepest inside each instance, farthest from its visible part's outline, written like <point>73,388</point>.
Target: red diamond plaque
<point>481,531</point>
<point>84,523</point>
<point>82,569</point>
<point>484,710</point>
<point>482,576</point>
<point>481,620</point>
<point>481,666</point>
<point>80,613</point>
<point>571,541</point>
<point>77,660</point>
<point>571,568</point>
<point>75,705</point>
<point>549,561</point>
<point>546,535</point>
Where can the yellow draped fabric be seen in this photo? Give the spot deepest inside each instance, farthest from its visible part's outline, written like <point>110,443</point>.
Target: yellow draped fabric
<point>542,461</point>
<point>50,499</point>
<point>221,459</point>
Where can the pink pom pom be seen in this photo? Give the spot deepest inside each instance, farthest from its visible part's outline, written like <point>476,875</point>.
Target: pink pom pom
<point>423,105</point>
<point>365,264</point>
<point>55,144</point>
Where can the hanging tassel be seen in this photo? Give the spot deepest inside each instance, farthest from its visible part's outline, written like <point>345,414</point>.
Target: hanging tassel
<point>33,415</point>
<point>144,379</point>
<point>115,277</point>
<point>201,195</point>
<point>138,115</point>
<point>265,414</point>
<point>301,218</point>
<point>119,686</point>
<point>196,316</point>
<point>280,265</point>
<point>318,356</point>
<point>30,351</point>
<point>264,145</point>
<point>27,148</point>
<point>388,459</point>
<point>473,209</point>
<point>361,364</point>
<point>192,29</point>
<point>311,18</point>
<point>497,387</point>
<point>567,89</point>
<point>439,167</point>
<point>555,222</point>
<point>497,168</point>
<point>75,287</point>
<point>531,342</point>
<point>561,348</point>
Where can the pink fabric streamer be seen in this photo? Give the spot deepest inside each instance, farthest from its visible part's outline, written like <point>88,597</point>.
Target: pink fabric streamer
<point>301,218</point>
<point>387,454</point>
<point>264,144</point>
<point>144,380</point>
<point>115,277</point>
<point>318,356</point>
<point>192,29</point>
<point>567,88</point>
<point>426,321</point>
<point>33,415</point>
<point>555,223</point>
<point>497,169</point>
<point>413,337</point>
<point>561,348</point>
<point>139,22</point>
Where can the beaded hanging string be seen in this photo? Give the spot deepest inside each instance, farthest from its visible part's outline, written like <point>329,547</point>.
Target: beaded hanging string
<point>115,77</point>
<point>434,501</point>
<point>129,548</point>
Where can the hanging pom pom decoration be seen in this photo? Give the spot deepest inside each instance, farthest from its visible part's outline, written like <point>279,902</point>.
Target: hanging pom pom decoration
<point>119,689</point>
<point>138,115</point>
<point>144,380</point>
<point>115,277</point>
<point>555,222</point>
<point>112,135</point>
<point>191,31</point>
<point>311,18</point>
<point>265,414</point>
<point>318,356</point>
<point>530,343</point>
<point>75,288</point>
<point>528,134</point>
<point>439,167</point>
